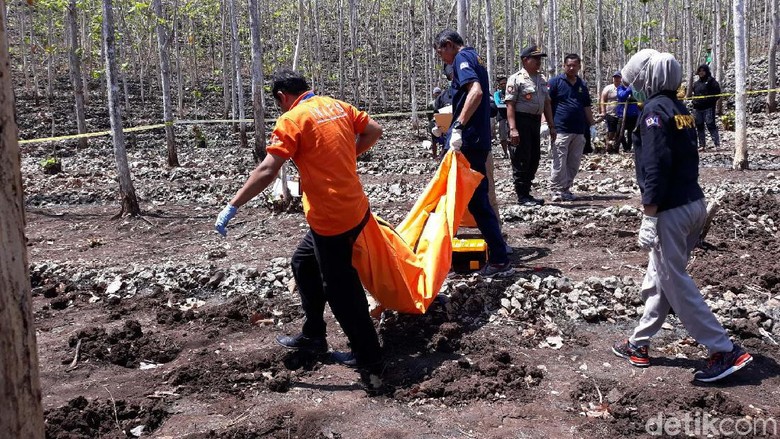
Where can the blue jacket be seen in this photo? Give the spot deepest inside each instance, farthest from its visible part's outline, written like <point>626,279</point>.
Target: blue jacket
<point>666,158</point>
<point>468,68</point>
<point>624,94</point>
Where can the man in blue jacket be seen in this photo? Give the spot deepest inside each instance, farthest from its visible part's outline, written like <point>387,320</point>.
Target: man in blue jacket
<point>628,113</point>
<point>667,172</point>
<point>470,134</point>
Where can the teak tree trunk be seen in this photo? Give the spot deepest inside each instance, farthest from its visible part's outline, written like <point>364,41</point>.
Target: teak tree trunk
<point>126,189</point>
<point>21,412</point>
<point>771,105</point>
<point>239,88</point>
<point>740,64</point>
<point>412,71</point>
<point>257,81</point>
<point>226,92</point>
<point>75,71</point>
<point>163,46</point>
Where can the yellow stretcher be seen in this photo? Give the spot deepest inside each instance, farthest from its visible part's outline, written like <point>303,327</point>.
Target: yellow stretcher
<point>404,268</point>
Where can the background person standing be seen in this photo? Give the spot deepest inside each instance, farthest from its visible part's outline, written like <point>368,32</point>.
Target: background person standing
<point>610,111</point>
<point>526,100</point>
<point>628,113</point>
<point>573,116</point>
<point>704,107</point>
<point>503,126</point>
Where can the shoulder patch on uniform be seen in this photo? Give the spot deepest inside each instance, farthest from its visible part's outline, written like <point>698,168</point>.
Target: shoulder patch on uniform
<point>464,65</point>
<point>510,89</point>
<point>652,121</point>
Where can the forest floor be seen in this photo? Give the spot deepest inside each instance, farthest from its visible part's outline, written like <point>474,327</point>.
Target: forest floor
<point>157,326</point>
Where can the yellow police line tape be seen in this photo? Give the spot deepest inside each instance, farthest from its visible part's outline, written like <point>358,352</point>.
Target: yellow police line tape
<point>177,122</point>
<point>206,121</point>
<point>690,98</point>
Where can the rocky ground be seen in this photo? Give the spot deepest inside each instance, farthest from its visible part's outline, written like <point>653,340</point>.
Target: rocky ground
<point>156,326</point>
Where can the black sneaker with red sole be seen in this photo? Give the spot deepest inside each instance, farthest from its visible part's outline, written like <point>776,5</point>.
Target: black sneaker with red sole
<point>636,355</point>
<point>723,364</point>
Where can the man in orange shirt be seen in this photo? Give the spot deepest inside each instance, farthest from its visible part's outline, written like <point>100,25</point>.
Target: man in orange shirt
<point>323,136</point>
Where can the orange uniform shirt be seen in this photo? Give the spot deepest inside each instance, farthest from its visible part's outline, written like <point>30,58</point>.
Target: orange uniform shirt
<point>318,134</point>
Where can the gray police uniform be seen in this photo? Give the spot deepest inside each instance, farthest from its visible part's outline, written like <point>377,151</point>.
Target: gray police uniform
<point>528,94</point>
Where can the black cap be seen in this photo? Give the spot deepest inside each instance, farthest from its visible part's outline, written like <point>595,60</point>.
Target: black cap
<point>531,51</point>
<point>618,74</point>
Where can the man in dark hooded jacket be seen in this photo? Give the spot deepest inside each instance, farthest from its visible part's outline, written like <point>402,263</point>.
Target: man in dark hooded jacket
<point>704,107</point>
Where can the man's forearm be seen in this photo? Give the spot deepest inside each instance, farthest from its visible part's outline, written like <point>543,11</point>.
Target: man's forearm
<point>589,116</point>
<point>510,115</point>
<point>368,137</point>
<point>258,180</point>
<point>473,99</point>
<point>548,115</point>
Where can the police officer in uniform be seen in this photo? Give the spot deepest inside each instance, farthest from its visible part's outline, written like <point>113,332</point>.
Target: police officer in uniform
<point>526,100</point>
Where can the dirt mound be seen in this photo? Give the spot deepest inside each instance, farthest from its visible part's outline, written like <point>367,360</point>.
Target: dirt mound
<point>265,370</point>
<point>491,377</point>
<point>280,422</point>
<point>745,227</point>
<point>82,418</point>
<point>125,347</point>
<point>624,410</point>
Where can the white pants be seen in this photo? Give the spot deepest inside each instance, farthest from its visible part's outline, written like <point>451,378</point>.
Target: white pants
<point>566,156</point>
<point>667,284</point>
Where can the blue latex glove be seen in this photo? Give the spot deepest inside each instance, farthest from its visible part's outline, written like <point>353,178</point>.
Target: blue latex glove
<point>593,133</point>
<point>224,218</point>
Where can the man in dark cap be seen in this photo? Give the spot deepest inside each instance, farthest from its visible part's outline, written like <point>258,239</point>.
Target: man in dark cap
<point>610,110</point>
<point>704,93</point>
<point>526,100</point>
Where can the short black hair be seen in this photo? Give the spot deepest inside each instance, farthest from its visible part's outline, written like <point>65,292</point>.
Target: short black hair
<point>500,78</point>
<point>572,56</point>
<point>447,35</point>
<point>288,81</point>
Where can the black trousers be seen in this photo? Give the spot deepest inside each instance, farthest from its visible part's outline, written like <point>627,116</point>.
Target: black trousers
<point>322,267</point>
<point>525,156</point>
<point>627,140</point>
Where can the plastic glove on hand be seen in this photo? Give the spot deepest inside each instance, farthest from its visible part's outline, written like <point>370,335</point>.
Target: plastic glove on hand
<point>593,132</point>
<point>544,131</point>
<point>224,218</point>
<point>436,131</point>
<point>456,140</point>
<point>648,234</point>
